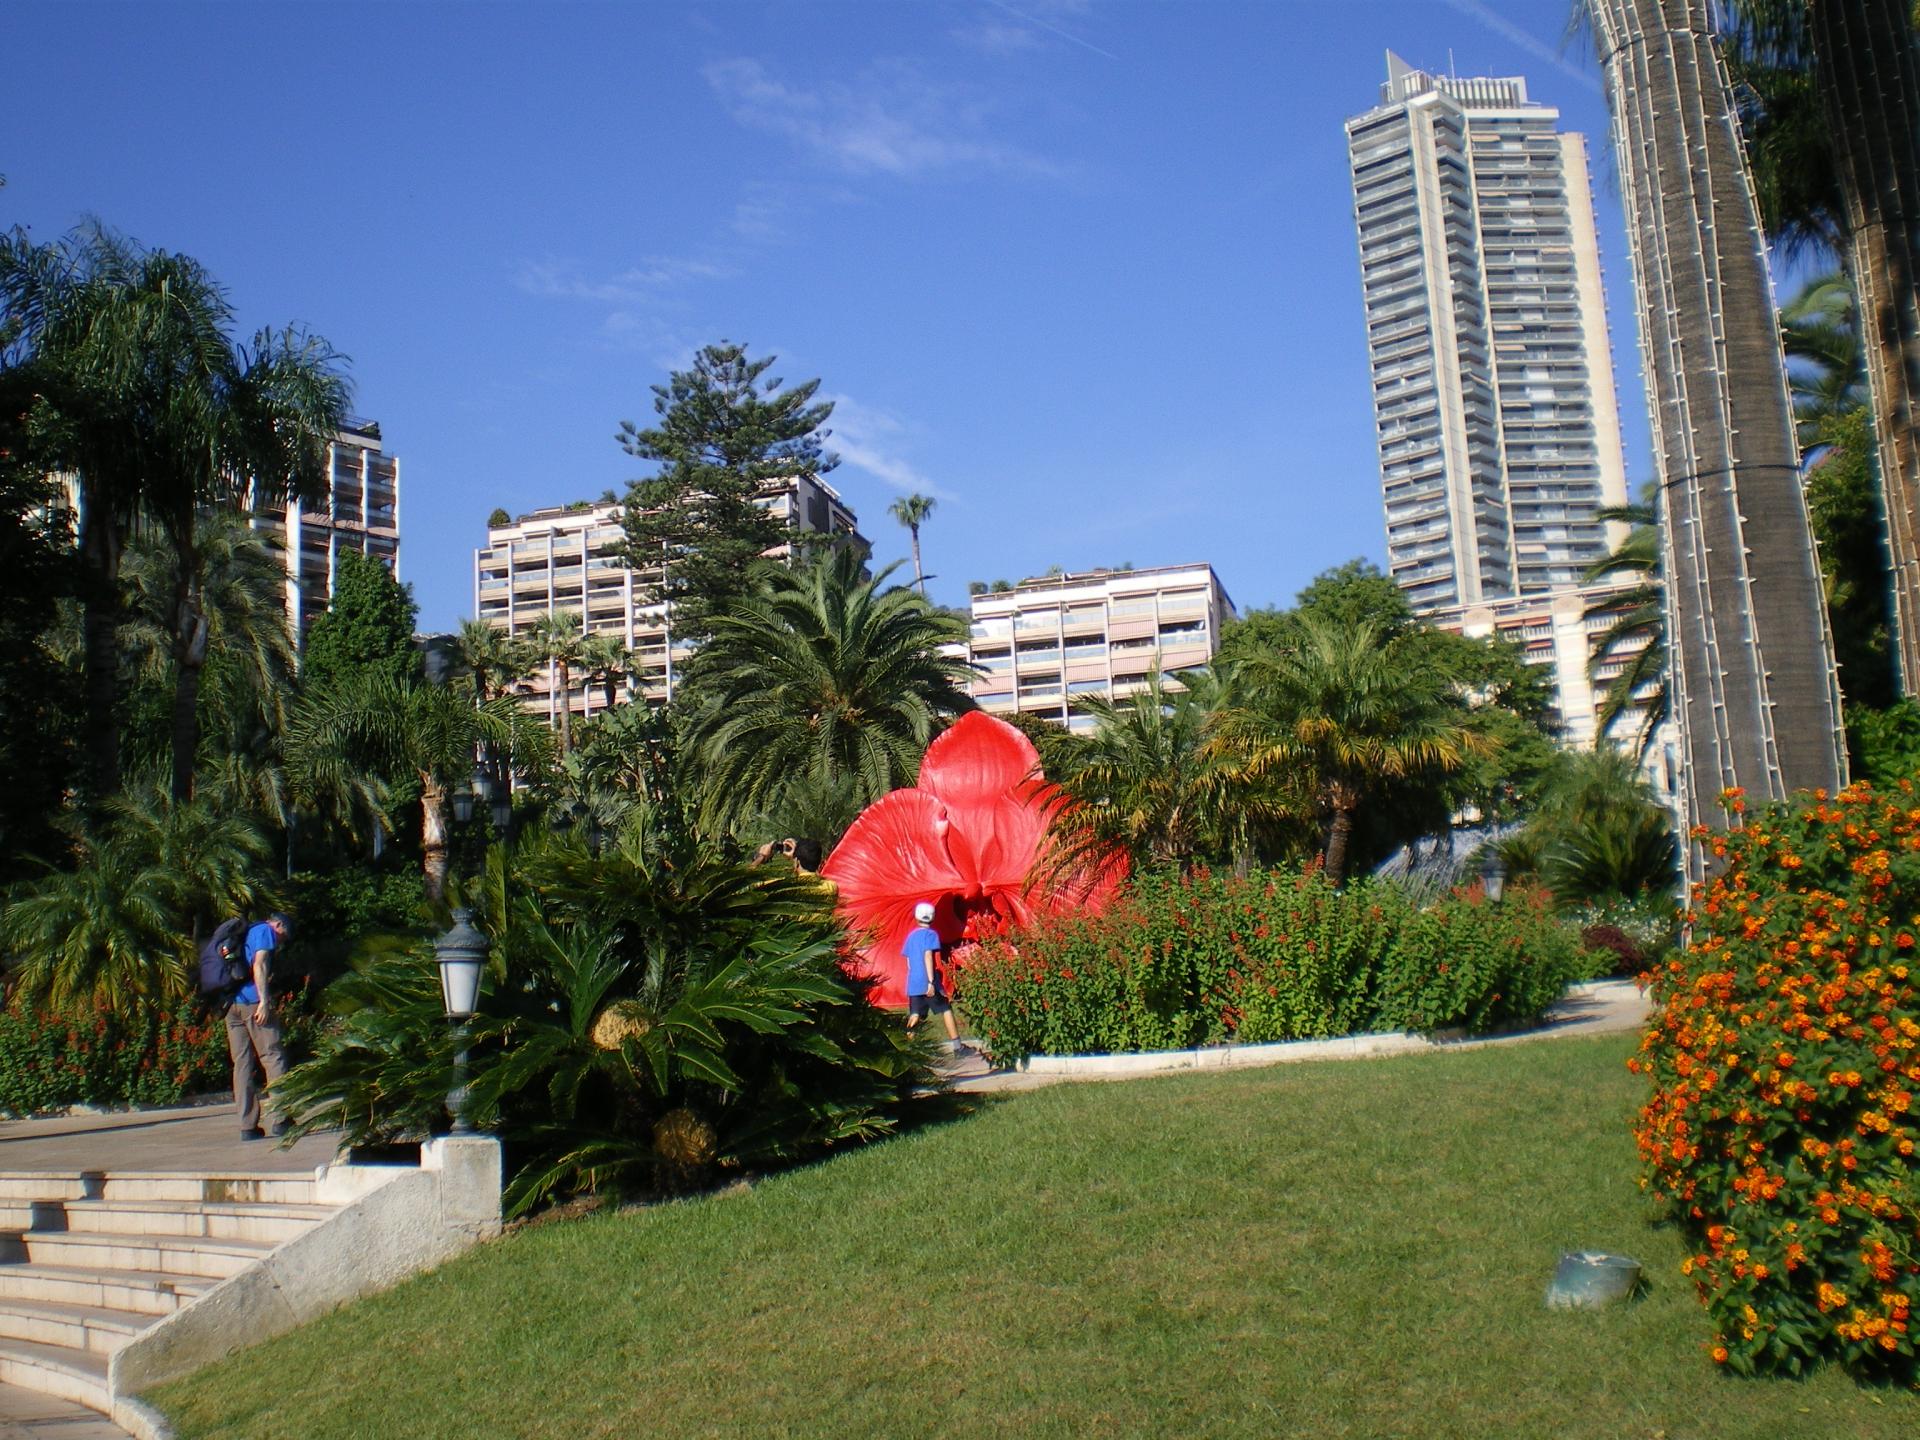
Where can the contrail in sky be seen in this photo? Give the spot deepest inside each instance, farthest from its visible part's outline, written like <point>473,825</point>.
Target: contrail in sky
<point>1052,29</point>
<point>1535,47</point>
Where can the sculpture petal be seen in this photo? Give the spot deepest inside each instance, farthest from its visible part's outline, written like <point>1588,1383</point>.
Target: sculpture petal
<point>987,773</point>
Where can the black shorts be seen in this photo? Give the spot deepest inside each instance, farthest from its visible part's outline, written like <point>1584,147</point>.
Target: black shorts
<point>921,1006</point>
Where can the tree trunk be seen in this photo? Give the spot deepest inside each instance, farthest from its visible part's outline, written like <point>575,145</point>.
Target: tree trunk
<point>1755,689</point>
<point>190,633</point>
<point>566,707</point>
<point>1339,834</point>
<point>1867,72</point>
<point>436,855</point>
<point>100,544</point>
<point>918,578</point>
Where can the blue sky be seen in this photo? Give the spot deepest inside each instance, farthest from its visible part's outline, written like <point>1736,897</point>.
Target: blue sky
<point>1084,271</point>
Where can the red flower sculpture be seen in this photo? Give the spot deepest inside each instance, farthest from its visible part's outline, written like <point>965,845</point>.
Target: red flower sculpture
<point>966,838</point>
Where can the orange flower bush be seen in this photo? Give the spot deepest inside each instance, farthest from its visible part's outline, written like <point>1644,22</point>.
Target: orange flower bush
<point>1784,1062</point>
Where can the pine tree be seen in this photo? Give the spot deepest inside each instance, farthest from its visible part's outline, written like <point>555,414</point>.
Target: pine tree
<point>367,627</point>
<point>725,436</point>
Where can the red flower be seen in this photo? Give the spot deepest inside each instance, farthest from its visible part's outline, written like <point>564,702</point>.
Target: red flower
<point>966,838</point>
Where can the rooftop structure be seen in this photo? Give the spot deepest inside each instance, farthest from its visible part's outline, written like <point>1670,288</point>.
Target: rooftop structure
<point>1494,402</point>
<point>1048,641</point>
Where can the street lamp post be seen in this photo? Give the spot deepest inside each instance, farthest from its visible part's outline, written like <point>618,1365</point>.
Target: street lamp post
<point>1493,875</point>
<point>462,955</point>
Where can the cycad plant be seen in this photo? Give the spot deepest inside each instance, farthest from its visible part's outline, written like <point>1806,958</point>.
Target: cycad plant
<point>822,675</point>
<point>656,1014</point>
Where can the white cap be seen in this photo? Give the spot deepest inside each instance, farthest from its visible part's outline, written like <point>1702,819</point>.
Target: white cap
<point>923,912</point>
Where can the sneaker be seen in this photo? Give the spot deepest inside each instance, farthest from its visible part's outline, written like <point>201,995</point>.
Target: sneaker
<point>256,1133</point>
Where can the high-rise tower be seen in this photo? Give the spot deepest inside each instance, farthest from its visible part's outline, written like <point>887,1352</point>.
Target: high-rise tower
<point>1493,389</point>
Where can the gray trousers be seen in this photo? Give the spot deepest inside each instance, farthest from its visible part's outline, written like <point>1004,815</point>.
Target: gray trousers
<point>247,1038</point>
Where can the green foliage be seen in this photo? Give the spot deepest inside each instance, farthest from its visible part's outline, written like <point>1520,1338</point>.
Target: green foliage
<point>1779,1129</point>
<point>120,928</point>
<point>497,517</point>
<point>1635,633</point>
<point>366,629</point>
<point>654,1014</point>
<point>95,1055</point>
<point>725,436</point>
<point>1843,502</point>
<point>1597,833</point>
<point>37,715</point>
<point>335,910</point>
<point>1885,743</point>
<point>821,676</point>
<point>1202,958</point>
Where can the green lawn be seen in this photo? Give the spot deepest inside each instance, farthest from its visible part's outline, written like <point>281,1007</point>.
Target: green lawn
<point>1349,1249</point>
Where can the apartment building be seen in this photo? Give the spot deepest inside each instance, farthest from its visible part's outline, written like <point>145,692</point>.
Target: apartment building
<point>361,512</point>
<point>1556,631</point>
<point>1496,417</point>
<point>571,558</point>
<point>1049,641</point>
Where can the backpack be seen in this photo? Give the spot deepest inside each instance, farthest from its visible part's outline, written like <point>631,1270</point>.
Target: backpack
<point>223,960</point>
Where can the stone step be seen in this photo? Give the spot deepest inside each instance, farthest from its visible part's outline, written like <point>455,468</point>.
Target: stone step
<point>55,1370</point>
<point>227,1187</point>
<point>269,1224</point>
<point>169,1254</point>
<point>76,1327</point>
<point>136,1292</point>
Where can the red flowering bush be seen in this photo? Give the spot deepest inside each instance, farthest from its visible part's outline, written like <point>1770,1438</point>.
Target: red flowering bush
<point>1783,1064</point>
<point>1191,960</point>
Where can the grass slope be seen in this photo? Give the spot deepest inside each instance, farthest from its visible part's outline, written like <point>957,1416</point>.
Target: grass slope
<point>1338,1250</point>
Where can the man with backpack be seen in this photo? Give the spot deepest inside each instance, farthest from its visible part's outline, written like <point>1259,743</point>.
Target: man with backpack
<point>253,1032</point>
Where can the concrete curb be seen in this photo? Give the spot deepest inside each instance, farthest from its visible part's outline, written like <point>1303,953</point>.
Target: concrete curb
<point>140,1419</point>
<point>1620,995</point>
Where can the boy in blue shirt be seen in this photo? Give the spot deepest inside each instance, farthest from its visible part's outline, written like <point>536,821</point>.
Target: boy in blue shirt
<point>924,992</point>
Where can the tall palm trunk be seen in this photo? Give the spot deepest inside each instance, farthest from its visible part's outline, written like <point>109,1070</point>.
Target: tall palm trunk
<point>918,578</point>
<point>1339,837</point>
<point>101,545</point>
<point>1755,687</point>
<point>190,635</point>
<point>1867,73</point>
<point>566,706</point>
<point>435,848</point>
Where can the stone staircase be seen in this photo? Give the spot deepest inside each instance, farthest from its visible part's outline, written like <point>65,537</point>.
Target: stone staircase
<point>89,1260</point>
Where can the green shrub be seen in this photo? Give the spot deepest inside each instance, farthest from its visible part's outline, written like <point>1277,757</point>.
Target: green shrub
<point>1197,959</point>
<point>1784,1061</point>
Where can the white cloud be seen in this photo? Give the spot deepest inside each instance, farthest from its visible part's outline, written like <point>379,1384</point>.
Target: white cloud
<point>1526,41</point>
<point>871,439</point>
<point>896,121</point>
<point>635,285</point>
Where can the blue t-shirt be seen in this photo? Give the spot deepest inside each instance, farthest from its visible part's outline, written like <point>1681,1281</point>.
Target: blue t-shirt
<point>920,977</point>
<point>259,937</point>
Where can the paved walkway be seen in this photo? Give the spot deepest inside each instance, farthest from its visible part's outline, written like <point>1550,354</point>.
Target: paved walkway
<point>27,1415</point>
<point>194,1138</point>
<point>1603,1007</point>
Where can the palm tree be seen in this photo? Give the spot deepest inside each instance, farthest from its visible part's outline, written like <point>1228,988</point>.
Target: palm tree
<point>1636,629</point>
<point>606,661</point>
<point>489,655</point>
<point>912,512</point>
<point>1350,711</point>
<point>121,926</point>
<point>429,733</point>
<point>1754,679</point>
<point>145,398</point>
<point>1150,779</point>
<point>559,640</point>
<point>1829,380</point>
<point>819,675</point>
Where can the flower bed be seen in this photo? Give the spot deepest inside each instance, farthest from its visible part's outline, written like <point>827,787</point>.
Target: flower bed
<point>1780,1127</point>
<point>1195,960</point>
